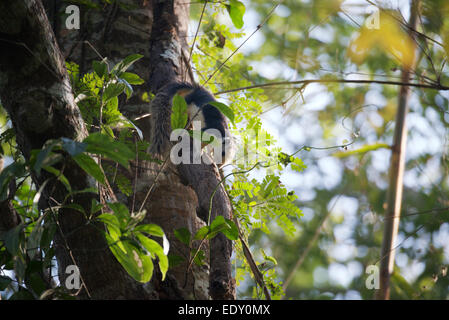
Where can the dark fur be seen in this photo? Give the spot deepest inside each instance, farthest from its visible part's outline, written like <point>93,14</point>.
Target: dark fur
<point>193,94</point>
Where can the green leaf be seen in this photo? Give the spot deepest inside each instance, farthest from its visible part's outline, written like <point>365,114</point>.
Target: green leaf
<point>100,68</point>
<point>12,239</point>
<point>179,113</point>
<point>73,147</point>
<point>151,229</point>
<point>113,226</point>
<point>199,257</point>
<point>36,283</point>
<point>202,233</point>
<point>298,165</point>
<point>104,145</point>
<point>14,170</point>
<point>22,294</point>
<point>43,155</point>
<point>174,260</point>
<point>58,174</point>
<point>121,212</point>
<point>218,224</point>
<point>4,282</point>
<point>34,239</point>
<point>123,65</point>
<point>231,233</point>
<point>110,220</point>
<point>224,109</point>
<point>155,248</point>
<point>364,149</point>
<point>128,89</point>
<point>112,91</point>
<point>90,167</point>
<point>236,10</point>
<point>75,206</point>
<point>183,235</point>
<point>132,78</point>
<point>47,236</point>
<point>133,260</point>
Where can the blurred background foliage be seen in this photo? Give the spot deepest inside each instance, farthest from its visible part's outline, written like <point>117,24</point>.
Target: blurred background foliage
<point>337,135</point>
<point>342,192</point>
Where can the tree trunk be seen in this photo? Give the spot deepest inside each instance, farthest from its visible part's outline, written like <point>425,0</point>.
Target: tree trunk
<point>397,165</point>
<point>34,86</point>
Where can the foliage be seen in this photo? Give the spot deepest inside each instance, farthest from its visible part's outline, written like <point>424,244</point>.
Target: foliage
<point>340,132</point>
<point>343,134</point>
<point>28,249</point>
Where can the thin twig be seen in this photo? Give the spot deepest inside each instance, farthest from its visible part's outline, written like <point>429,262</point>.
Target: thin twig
<point>436,86</point>
<point>270,13</point>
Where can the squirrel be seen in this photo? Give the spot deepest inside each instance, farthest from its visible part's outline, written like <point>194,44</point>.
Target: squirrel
<point>199,109</point>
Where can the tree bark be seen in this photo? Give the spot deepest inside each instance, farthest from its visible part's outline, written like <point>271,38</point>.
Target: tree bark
<point>35,90</point>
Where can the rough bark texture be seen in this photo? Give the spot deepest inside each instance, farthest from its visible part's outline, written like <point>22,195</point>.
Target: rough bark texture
<point>35,90</point>
<point>168,52</point>
<point>204,179</point>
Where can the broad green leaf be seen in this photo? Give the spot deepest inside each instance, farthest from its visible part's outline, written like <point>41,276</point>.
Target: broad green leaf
<point>14,170</point>
<point>58,174</point>
<point>35,281</point>
<point>104,145</point>
<point>123,65</point>
<point>73,147</point>
<point>179,113</point>
<point>183,235</point>
<point>133,260</point>
<point>110,220</point>
<point>112,91</point>
<point>202,233</point>
<point>151,229</point>
<point>90,166</point>
<point>100,68</point>
<point>218,224</point>
<point>42,155</point>
<point>224,109</point>
<point>236,10</point>
<point>121,212</point>
<point>128,89</point>
<point>132,78</point>
<point>154,248</point>
<point>231,233</point>
<point>199,257</point>
<point>113,226</point>
<point>174,260</point>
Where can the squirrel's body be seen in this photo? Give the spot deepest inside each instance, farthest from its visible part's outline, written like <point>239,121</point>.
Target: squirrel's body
<point>199,109</point>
